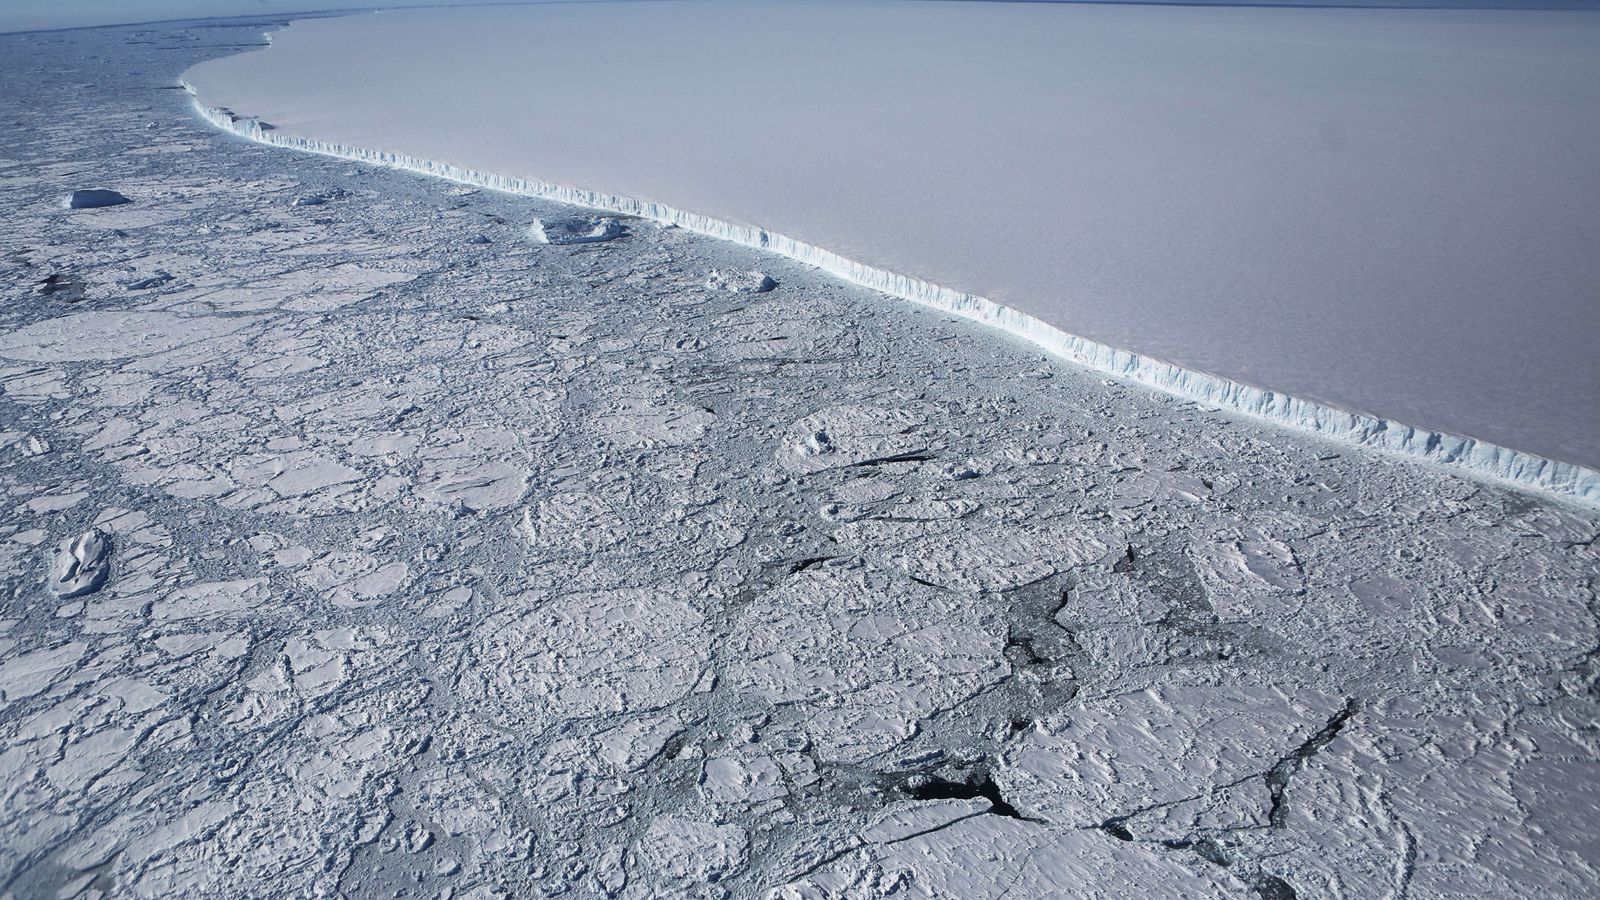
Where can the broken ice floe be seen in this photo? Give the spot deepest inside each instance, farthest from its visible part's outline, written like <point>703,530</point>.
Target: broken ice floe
<point>575,229</point>
<point>112,335</point>
<point>751,282</point>
<point>299,672</point>
<point>81,564</point>
<point>94,199</point>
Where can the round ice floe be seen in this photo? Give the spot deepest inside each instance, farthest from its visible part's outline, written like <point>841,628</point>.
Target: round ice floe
<point>94,198</point>
<point>575,229</point>
<point>81,564</point>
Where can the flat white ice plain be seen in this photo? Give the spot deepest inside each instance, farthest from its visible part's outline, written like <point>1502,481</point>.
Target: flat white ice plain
<point>1388,211</point>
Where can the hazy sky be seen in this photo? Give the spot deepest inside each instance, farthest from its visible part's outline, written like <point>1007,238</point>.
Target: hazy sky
<point>26,15</point>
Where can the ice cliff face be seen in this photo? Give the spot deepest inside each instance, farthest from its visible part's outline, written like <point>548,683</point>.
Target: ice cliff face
<point>1480,458</point>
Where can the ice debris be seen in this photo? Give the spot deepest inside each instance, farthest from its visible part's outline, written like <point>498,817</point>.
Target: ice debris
<point>319,198</point>
<point>154,281</point>
<point>751,282</point>
<point>81,564</point>
<point>575,229</point>
<point>94,198</point>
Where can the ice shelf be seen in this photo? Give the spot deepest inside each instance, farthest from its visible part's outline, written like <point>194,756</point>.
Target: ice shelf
<point>1478,457</point>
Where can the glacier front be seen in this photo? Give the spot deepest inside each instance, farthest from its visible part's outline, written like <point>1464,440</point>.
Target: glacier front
<point>1296,213</point>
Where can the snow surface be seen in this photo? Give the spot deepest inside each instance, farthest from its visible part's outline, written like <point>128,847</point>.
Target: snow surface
<point>1395,212</point>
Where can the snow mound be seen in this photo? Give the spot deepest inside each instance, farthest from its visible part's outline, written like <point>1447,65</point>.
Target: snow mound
<point>575,229</point>
<point>94,199</point>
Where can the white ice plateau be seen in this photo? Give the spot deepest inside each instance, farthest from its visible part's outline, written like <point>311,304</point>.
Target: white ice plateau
<point>1294,213</point>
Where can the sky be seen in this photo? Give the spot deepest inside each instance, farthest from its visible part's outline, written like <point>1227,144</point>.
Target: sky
<point>28,15</point>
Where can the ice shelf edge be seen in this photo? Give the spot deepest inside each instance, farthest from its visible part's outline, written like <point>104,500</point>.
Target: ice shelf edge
<point>1469,455</point>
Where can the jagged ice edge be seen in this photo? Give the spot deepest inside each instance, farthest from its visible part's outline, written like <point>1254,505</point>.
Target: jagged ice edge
<point>1479,458</point>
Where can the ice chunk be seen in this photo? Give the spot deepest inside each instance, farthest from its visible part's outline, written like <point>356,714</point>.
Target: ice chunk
<point>144,284</point>
<point>94,199</point>
<point>751,282</point>
<point>81,564</point>
<point>575,229</point>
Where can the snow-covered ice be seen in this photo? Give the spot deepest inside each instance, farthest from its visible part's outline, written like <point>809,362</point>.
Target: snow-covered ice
<point>431,566</point>
<point>81,564</point>
<point>1387,211</point>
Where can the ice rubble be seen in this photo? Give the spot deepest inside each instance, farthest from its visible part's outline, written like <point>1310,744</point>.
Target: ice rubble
<point>1480,458</point>
<point>746,282</point>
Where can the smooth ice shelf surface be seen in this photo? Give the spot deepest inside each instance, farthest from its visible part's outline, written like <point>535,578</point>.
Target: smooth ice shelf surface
<point>1393,212</point>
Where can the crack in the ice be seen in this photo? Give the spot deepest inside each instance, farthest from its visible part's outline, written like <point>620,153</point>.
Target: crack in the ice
<point>1287,766</point>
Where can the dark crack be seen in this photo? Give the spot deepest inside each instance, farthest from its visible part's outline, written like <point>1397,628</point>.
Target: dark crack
<point>909,456</point>
<point>1284,770</point>
<point>979,784</point>
<point>804,565</point>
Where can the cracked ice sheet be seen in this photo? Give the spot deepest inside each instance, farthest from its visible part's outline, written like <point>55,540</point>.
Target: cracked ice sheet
<point>991,857</point>
<point>1111,758</point>
<point>441,561</point>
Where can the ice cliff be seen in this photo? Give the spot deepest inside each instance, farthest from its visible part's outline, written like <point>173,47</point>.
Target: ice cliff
<point>1468,455</point>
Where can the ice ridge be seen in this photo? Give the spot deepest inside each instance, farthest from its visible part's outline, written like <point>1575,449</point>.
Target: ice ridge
<point>1468,455</point>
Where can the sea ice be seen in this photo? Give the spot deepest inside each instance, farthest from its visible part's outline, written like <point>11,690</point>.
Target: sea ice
<point>442,565</point>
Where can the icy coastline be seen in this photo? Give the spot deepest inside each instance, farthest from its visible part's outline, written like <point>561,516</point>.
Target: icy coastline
<point>1479,458</point>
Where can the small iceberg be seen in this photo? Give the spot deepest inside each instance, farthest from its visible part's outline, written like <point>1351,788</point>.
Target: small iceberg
<point>94,198</point>
<point>575,229</point>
